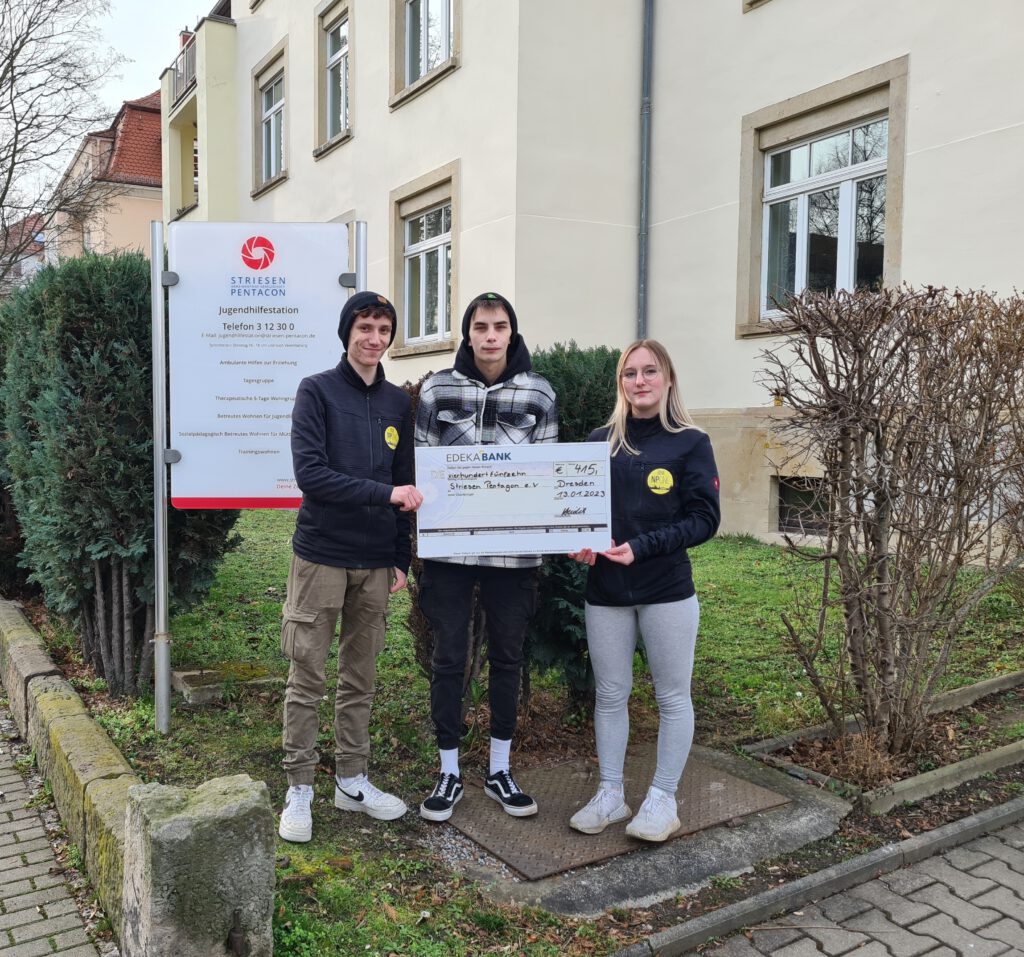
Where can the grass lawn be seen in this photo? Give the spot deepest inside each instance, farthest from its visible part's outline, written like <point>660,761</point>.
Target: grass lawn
<point>374,888</point>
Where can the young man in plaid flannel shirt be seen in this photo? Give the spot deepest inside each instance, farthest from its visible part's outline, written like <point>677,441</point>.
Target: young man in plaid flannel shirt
<point>490,397</point>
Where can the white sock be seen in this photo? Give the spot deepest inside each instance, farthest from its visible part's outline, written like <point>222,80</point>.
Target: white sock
<point>349,782</point>
<point>606,786</point>
<point>661,792</point>
<point>499,754</point>
<point>449,761</point>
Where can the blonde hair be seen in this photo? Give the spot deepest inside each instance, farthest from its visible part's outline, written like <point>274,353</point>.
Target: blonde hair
<point>671,411</point>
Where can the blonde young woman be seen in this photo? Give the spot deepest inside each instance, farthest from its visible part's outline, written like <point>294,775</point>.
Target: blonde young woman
<point>664,486</point>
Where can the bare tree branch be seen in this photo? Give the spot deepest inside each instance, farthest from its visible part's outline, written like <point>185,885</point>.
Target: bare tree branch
<point>910,402</point>
<point>52,63</point>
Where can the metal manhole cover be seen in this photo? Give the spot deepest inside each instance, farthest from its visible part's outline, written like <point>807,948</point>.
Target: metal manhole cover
<point>543,845</point>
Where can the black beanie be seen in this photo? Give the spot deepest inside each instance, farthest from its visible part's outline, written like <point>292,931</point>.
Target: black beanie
<point>356,304</point>
<point>493,299</point>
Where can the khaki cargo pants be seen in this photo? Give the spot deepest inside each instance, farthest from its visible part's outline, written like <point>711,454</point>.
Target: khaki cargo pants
<point>317,595</point>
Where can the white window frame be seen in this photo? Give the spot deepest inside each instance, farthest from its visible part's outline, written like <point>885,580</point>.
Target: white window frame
<point>446,30</point>
<point>411,251</point>
<point>339,60</point>
<point>272,127</point>
<point>846,179</point>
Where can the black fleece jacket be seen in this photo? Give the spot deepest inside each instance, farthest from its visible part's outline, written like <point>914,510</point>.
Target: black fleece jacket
<point>664,501</point>
<point>351,444</point>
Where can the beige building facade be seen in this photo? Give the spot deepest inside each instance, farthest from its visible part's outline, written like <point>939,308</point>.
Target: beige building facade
<point>497,146</point>
<point>117,175</point>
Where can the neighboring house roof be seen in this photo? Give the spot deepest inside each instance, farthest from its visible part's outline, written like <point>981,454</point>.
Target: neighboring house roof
<point>17,237</point>
<point>22,240</point>
<point>135,156</point>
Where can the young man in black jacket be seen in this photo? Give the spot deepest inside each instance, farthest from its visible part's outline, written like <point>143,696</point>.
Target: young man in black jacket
<point>352,452</point>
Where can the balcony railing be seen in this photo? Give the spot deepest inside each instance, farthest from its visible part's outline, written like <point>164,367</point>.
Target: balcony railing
<point>183,71</point>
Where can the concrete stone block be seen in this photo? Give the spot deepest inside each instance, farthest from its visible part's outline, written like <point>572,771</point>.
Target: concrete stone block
<point>49,697</point>
<point>1001,850</point>
<point>1001,899</point>
<point>22,657</point>
<point>1002,873</point>
<point>1007,930</point>
<point>964,858</point>
<point>805,947</point>
<point>896,907</point>
<point>899,941</point>
<point>962,884</point>
<point>840,907</point>
<point>734,947</point>
<point>770,939</point>
<point>944,929</point>
<point>106,804</point>
<point>82,753</point>
<point>831,938</point>
<point>966,914</point>
<point>194,858</point>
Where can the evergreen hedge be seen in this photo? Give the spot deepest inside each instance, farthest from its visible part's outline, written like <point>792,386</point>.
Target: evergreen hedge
<point>76,401</point>
<point>584,381</point>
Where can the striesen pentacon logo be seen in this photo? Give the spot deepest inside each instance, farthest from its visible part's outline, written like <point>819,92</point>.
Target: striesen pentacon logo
<point>257,252</point>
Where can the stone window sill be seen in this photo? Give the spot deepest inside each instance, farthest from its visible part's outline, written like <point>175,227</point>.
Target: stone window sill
<point>269,184</point>
<point>422,348</point>
<point>423,83</point>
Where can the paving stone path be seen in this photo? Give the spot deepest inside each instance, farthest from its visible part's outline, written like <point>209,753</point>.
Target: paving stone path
<point>965,902</point>
<point>38,915</point>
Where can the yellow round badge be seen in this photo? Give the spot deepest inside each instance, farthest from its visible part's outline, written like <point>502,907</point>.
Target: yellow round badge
<point>660,481</point>
<point>391,437</point>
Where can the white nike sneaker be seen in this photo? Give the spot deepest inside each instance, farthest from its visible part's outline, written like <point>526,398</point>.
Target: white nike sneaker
<point>364,797</point>
<point>604,808</point>
<point>296,818</point>
<point>657,818</point>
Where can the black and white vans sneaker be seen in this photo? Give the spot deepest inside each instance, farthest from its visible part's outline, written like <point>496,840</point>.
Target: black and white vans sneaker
<point>505,791</point>
<point>446,794</point>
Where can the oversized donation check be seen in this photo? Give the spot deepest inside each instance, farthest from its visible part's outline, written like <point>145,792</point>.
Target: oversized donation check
<point>549,499</point>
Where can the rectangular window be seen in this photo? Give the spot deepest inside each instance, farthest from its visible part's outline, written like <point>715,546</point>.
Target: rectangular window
<point>428,36</point>
<point>337,78</point>
<point>824,214</point>
<point>428,274</point>
<point>272,128</point>
<point>802,509</point>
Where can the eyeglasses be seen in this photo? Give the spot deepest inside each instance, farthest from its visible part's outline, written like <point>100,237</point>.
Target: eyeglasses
<point>631,375</point>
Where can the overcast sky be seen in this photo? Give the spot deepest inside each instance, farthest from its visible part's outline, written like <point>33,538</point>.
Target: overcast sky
<point>145,31</point>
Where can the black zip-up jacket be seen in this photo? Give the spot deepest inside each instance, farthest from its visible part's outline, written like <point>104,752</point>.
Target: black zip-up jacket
<point>664,501</point>
<point>351,444</point>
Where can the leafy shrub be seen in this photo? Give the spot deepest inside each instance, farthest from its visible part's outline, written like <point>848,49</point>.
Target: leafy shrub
<point>76,400</point>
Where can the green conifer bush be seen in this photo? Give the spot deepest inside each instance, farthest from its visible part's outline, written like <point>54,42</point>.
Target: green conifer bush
<point>76,402</point>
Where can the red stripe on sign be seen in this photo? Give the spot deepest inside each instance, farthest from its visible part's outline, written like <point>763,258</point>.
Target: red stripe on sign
<point>186,503</point>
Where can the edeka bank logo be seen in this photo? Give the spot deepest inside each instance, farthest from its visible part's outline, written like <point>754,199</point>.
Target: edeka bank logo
<point>258,252</point>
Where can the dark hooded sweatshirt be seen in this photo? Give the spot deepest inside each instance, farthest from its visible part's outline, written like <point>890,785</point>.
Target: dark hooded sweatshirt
<point>351,444</point>
<point>664,501</point>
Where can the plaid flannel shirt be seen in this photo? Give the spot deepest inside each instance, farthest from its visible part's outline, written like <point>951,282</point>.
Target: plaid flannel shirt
<point>457,410</point>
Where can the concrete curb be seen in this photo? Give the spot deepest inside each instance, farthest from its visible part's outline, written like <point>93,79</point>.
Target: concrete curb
<point>683,938</point>
<point>89,776</point>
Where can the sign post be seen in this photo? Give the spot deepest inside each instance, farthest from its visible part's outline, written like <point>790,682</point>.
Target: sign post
<point>161,638</point>
<point>254,309</point>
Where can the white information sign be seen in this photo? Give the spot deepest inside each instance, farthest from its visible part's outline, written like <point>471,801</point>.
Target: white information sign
<point>254,311</point>
<point>545,499</point>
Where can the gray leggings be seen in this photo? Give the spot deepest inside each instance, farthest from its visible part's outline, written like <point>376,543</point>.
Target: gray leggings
<point>670,634</point>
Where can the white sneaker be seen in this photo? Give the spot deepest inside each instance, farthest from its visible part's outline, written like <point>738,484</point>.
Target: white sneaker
<point>364,797</point>
<point>657,819</point>
<point>606,807</point>
<point>296,819</point>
